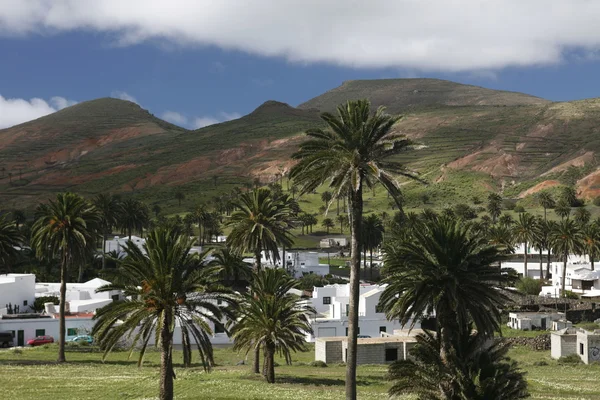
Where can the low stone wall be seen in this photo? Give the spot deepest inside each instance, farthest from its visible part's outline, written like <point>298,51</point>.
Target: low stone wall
<point>538,343</point>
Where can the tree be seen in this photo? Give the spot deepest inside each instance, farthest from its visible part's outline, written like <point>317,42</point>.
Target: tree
<point>326,197</point>
<point>566,238</point>
<point>352,153</point>
<point>582,216</point>
<point>591,241</point>
<point>164,286</point>
<point>327,223</point>
<point>343,221</point>
<point>541,241</point>
<point>215,179</point>
<point>563,209</point>
<point>569,195</point>
<point>68,229</point>
<point>272,319</point>
<point>133,216</point>
<point>372,236</point>
<point>10,239</point>
<point>235,272</point>
<point>156,210</point>
<point>478,369</point>
<point>259,224</point>
<point>179,196</point>
<point>546,201</point>
<point>445,270</point>
<point>507,220</point>
<point>19,217</point>
<point>494,206</point>
<point>524,232</point>
<point>464,211</point>
<point>109,208</point>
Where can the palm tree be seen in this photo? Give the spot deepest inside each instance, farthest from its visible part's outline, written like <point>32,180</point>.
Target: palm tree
<point>19,217</point>
<point>260,223</point>
<point>272,318</point>
<point>563,209</point>
<point>494,206</point>
<point>582,216</point>
<point>478,370</point>
<point>109,208</point>
<point>179,196</point>
<point>133,215</point>
<point>566,238</point>
<point>545,200</point>
<point>373,236</point>
<point>200,214</point>
<point>569,195</point>
<point>352,153</point>
<point>156,210</point>
<point>165,285</point>
<point>10,239</point>
<point>68,228</point>
<point>326,196</point>
<point>591,241</point>
<point>524,232</point>
<point>540,241</point>
<point>327,223</point>
<point>234,271</point>
<point>444,270</point>
<point>506,220</point>
<point>343,220</point>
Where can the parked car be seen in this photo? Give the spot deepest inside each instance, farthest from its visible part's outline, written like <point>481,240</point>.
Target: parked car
<point>6,339</point>
<point>40,340</point>
<point>82,339</point>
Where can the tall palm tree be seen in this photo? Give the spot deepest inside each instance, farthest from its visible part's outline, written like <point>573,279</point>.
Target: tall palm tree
<point>545,200</point>
<point>445,270</point>
<point>494,206</point>
<point>563,209</point>
<point>566,238</point>
<point>133,216</point>
<point>179,196</point>
<point>352,153</point>
<point>524,232</point>
<point>164,287</point>
<point>540,241</point>
<point>10,239</point>
<point>582,216</point>
<point>327,223</point>
<point>68,228</point>
<point>478,370</point>
<point>259,224</point>
<point>19,217</point>
<point>271,318</point>
<point>591,241</point>
<point>326,196</point>
<point>234,271</point>
<point>343,220</point>
<point>109,208</point>
<point>373,236</point>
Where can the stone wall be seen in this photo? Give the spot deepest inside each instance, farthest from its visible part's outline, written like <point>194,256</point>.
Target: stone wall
<point>538,343</point>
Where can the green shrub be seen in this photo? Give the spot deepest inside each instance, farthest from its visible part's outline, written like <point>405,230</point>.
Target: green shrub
<point>540,363</point>
<point>527,285</point>
<point>570,295</point>
<point>519,209</point>
<point>38,304</point>
<point>571,359</point>
<point>318,364</point>
<point>597,201</point>
<point>589,326</point>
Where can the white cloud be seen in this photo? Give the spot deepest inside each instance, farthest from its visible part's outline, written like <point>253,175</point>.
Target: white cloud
<point>117,94</point>
<point>201,122</point>
<point>225,116</point>
<point>174,118</point>
<point>442,35</point>
<point>17,111</point>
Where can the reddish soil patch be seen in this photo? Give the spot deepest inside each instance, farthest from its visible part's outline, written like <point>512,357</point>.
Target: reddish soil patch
<point>582,160</point>
<point>539,187</point>
<point>173,174</point>
<point>589,186</point>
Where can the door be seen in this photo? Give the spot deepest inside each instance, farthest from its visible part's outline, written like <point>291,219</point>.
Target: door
<point>20,338</point>
<point>544,324</point>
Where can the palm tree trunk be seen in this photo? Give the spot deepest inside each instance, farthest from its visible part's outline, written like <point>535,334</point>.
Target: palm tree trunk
<point>564,276</point>
<point>356,205</point>
<point>61,307</point>
<point>541,263</point>
<point>104,251</point>
<point>371,266</point>
<point>80,275</point>
<point>270,359</point>
<point>365,261</point>
<point>257,259</point>
<point>256,363</point>
<point>283,262</point>
<point>166,359</point>
<point>548,263</point>
<point>525,261</point>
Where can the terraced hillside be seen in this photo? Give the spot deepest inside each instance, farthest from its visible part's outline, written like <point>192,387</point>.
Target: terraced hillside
<point>473,140</point>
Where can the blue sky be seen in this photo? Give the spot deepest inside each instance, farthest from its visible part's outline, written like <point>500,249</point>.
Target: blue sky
<point>194,76</point>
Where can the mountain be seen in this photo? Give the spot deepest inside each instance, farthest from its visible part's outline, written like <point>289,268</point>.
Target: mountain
<point>402,95</point>
<point>472,140</point>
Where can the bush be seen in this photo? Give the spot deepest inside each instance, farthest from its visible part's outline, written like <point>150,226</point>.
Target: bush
<point>519,209</point>
<point>508,204</point>
<point>570,295</point>
<point>527,285</point>
<point>571,359</point>
<point>38,304</point>
<point>597,201</point>
<point>540,363</point>
<point>589,326</point>
<point>318,364</point>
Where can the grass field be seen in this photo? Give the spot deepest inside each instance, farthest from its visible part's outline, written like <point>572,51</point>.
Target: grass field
<point>32,374</point>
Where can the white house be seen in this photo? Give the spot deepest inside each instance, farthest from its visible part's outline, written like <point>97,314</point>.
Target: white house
<point>25,328</point>
<point>299,263</point>
<point>81,297</point>
<point>118,243</point>
<point>533,320</point>
<point>580,278</point>
<point>586,344</point>
<point>17,290</point>
<point>332,305</point>
<point>333,242</point>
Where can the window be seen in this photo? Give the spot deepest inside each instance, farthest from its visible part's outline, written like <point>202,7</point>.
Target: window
<point>115,297</point>
<point>391,354</point>
<point>40,332</point>
<point>346,331</point>
<point>347,309</point>
<point>581,348</point>
<point>24,303</point>
<point>382,329</point>
<point>326,300</point>
<point>13,334</point>
<point>72,332</point>
<point>219,328</point>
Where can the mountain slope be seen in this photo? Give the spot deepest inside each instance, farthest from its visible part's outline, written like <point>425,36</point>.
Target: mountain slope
<point>401,95</point>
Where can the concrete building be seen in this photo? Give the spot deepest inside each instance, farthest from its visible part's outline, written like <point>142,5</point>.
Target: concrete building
<point>533,320</point>
<point>580,279</point>
<point>298,263</point>
<point>585,344</point>
<point>332,305</point>
<point>327,243</point>
<point>81,297</point>
<point>379,350</point>
<point>17,290</point>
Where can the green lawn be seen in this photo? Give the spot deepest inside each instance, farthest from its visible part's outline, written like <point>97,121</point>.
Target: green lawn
<point>32,374</point>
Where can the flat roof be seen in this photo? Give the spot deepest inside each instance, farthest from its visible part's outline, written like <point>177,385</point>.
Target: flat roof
<point>375,340</point>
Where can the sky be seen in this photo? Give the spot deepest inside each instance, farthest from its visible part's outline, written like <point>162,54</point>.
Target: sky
<point>199,62</point>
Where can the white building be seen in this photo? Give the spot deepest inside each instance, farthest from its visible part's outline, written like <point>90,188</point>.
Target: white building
<point>17,290</point>
<point>586,344</point>
<point>580,279</point>
<point>327,243</point>
<point>118,244</point>
<point>331,303</point>
<point>81,297</point>
<point>299,263</point>
<point>533,320</point>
